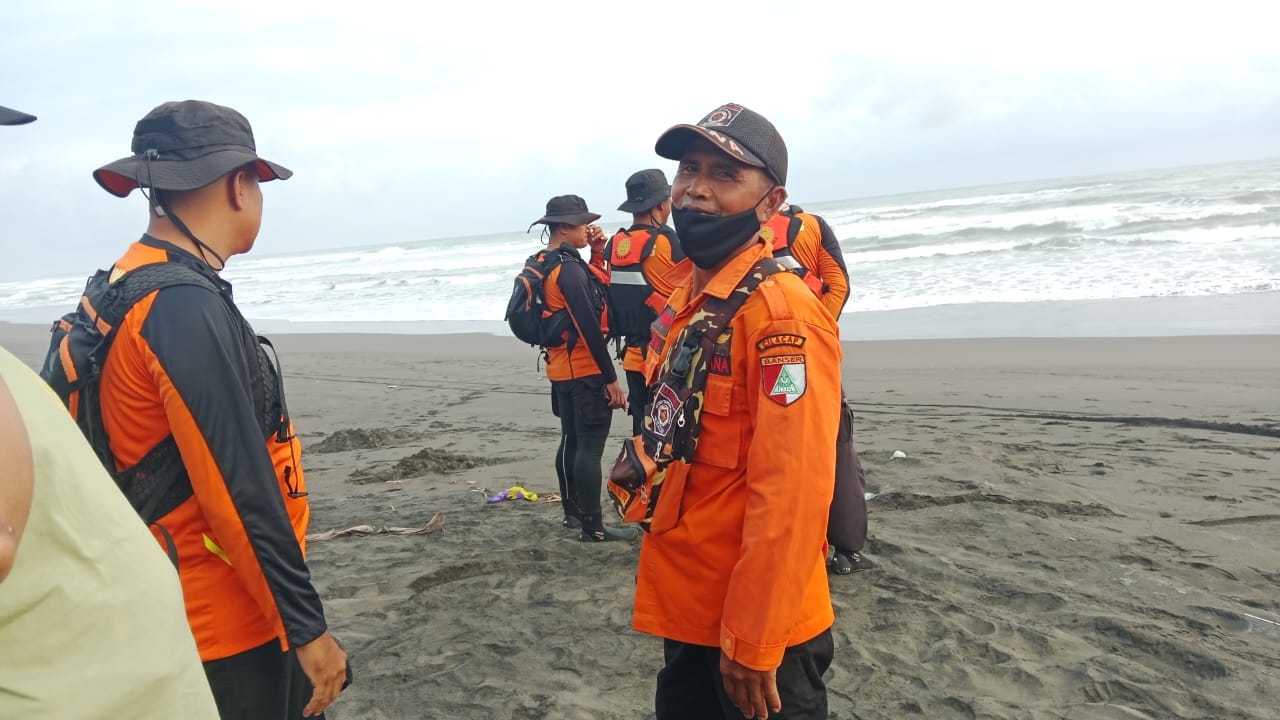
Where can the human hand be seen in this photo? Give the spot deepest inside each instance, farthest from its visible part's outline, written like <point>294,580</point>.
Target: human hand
<point>326,666</point>
<point>595,237</point>
<point>754,692</point>
<point>617,398</point>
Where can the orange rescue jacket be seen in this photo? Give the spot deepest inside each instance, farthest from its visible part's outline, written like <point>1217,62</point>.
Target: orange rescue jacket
<point>641,256</point>
<point>752,507</point>
<point>806,244</point>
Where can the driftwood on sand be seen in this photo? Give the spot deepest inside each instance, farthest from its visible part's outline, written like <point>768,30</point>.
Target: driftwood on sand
<point>436,524</point>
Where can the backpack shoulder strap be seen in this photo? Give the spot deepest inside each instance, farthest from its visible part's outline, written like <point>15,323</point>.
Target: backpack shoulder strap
<point>720,312</point>
<point>685,369</point>
<point>793,229</point>
<point>133,285</point>
<point>648,244</point>
<point>158,483</point>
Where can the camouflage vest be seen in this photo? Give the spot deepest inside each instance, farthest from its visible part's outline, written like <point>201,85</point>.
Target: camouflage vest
<point>672,422</point>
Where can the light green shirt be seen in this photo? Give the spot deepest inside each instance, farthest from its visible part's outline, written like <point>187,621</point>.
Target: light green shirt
<point>92,623</point>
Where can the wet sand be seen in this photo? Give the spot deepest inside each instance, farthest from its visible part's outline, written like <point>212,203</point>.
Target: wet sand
<point>1081,528</point>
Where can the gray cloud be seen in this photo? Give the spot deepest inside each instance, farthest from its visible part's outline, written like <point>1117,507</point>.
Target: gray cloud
<point>405,122</point>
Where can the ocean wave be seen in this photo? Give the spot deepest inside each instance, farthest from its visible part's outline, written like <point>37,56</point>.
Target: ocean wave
<point>1182,232</point>
<point>1203,235</point>
<point>1259,196</point>
<point>974,201</point>
<point>1079,218</point>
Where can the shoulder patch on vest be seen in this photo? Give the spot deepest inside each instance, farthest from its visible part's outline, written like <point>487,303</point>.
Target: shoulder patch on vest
<point>773,341</point>
<point>782,378</point>
<point>721,361</point>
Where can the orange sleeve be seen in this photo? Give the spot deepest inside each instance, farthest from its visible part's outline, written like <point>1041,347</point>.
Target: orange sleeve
<point>657,267</point>
<point>790,475</point>
<point>836,282</point>
<point>829,264</point>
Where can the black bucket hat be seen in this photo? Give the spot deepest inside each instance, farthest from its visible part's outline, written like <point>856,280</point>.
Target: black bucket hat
<point>566,210</point>
<point>13,117</point>
<point>645,191</point>
<point>190,144</point>
<point>742,134</point>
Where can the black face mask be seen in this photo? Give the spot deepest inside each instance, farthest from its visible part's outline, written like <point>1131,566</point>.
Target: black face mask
<point>709,239</point>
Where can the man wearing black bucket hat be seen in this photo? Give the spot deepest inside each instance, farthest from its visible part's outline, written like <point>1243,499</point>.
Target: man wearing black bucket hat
<point>584,385</point>
<point>78,573</point>
<point>731,572</point>
<point>189,396</point>
<point>639,259</point>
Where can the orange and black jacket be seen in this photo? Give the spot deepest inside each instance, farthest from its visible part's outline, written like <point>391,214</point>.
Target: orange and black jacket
<point>586,353</point>
<point>180,365</point>
<point>806,244</point>
<point>645,271</point>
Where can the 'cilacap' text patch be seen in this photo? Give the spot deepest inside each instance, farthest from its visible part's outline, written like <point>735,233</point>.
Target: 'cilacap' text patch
<point>773,341</point>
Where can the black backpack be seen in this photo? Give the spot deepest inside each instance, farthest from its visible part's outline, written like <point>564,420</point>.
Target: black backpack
<point>78,349</point>
<point>527,312</point>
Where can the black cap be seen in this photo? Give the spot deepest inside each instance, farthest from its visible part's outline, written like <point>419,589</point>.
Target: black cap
<point>566,210</point>
<point>9,116</point>
<point>645,190</point>
<point>742,134</point>
<point>186,145</point>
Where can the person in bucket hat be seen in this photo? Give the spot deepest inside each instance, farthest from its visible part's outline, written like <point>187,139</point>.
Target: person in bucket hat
<point>584,384</point>
<point>742,517</point>
<point>640,256</point>
<point>566,211</point>
<point>78,573</point>
<point>182,147</point>
<point>186,365</point>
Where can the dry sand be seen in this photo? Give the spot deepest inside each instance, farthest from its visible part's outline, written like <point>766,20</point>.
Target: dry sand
<point>1081,528</point>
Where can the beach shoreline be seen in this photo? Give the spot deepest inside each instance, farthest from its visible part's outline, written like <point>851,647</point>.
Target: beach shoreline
<point>1081,528</point>
<point>1255,313</point>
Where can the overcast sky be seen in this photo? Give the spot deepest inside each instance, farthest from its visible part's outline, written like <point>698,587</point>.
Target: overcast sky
<point>412,120</point>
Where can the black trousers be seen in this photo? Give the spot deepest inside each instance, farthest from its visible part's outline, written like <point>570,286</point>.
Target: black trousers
<point>259,684</point>
<point>637,400</point>
<point>585,417</point>
<point>690,686</point>
<point>847,520</point>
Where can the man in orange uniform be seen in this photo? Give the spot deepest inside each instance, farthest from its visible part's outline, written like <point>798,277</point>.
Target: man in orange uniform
<point>805,244</point>
<point>731,573</point>
<point>186,370</point>
<point>639,258</point>
<point>584,385</point>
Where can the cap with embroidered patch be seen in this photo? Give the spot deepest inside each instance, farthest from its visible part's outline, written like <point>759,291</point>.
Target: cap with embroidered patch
<point>739,132</point>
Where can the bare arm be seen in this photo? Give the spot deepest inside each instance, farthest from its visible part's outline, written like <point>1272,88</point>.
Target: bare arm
<point>16,479</point>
